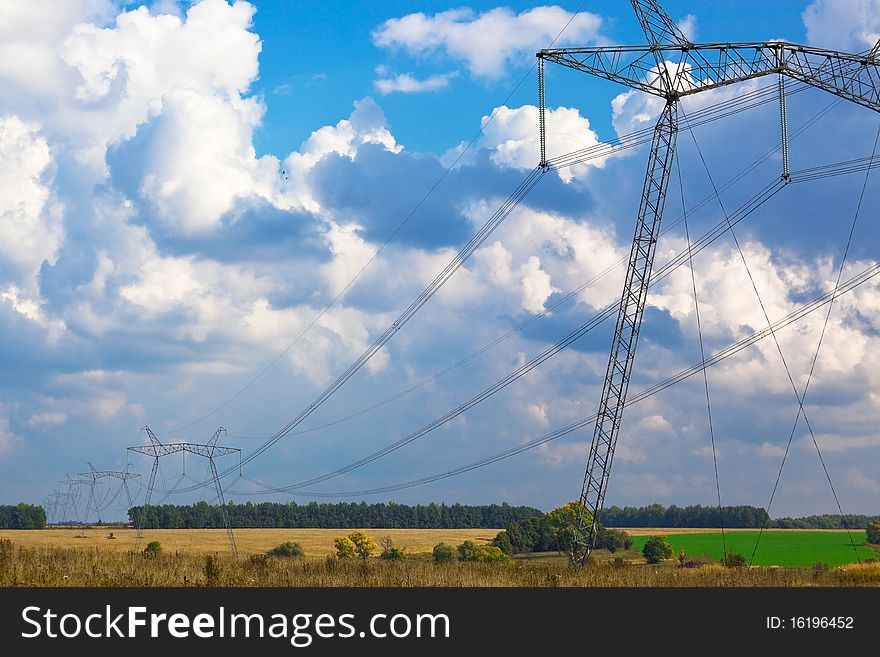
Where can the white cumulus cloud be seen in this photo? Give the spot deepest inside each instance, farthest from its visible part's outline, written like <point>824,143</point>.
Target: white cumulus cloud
<point>513,136</point>
<point>487,42</point>
<point>852,25</point>
<point>407,83</point>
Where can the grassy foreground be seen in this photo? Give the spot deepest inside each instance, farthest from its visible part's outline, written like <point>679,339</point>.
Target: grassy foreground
<point>796,549</point>
<point>24,566</point>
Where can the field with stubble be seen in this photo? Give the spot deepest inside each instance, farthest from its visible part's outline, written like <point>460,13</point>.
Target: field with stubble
<point>316,543</point>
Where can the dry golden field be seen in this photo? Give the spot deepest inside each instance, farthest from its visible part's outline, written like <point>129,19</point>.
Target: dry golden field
<point>315,542</point>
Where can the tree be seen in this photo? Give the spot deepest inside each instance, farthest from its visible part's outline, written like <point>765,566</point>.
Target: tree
<point>444,553</point>
<point>873,530</point>
<point>344,547</point>
<point>656,548</point>
<point>564,522</point>
<point>287,550</point>
<point>503,543</point>
<point>363,543</point>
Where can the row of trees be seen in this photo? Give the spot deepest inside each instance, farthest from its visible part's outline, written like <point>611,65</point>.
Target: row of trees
<point>22,516</point>
<point>848,521</point>
<point>656,515</point>
<point>329,515</point>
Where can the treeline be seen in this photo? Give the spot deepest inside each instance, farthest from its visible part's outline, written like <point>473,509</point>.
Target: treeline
<point>748,517</point>
<point>22,516</point>
<point>656,515</point>
<point>333,515</point>
<point>848,521</point>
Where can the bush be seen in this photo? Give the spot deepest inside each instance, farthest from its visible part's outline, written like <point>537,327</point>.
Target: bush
<point>733,560</point>
<point>613,539</point>
<point>364,545</point>
<point>389,552</point>
<point>344,547</point>
<point>656,549</point>
<point>444,553</point>
<point>287,550</point>
<point>618,562</point>
<point>490,553</point>
<point>873,530</point>
<point>820,567</point>
<point>466,551</point>
<point>153,549</point>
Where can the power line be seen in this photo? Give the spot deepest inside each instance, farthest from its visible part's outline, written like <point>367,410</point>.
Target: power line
<point>702,355</point>
<point>796,315</point>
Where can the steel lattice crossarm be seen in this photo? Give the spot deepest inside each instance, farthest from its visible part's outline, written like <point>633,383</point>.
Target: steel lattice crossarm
<point>672,67</point>
<point>206,450</point>
<point>103,474</point>
<point>699,67</point>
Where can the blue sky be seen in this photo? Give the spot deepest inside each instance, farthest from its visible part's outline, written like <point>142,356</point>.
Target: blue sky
<point>185,186</point>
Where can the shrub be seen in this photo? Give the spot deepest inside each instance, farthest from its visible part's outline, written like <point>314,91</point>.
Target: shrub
<point>287,550</point>
<point>656,549</point>
<point>733,560</point>
<point>820,567</point>
<point>444,553</point>
<point>618,562</point>
<point>363,543</point>
<point>466,551</point>
<point>489,553</point>
<point>873,530</point>
<point>344,547</point>
<point>389,552</point>
<point>154,548</point>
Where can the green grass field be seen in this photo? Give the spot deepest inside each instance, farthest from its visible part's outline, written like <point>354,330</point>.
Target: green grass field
<point>798,549</point>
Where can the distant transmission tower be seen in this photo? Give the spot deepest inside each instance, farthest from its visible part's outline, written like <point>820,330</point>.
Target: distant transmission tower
<point>671,67</point>
<point>70,498</point>
<point>210,451</point>
<point>123,475</point>
<point>54,502</point>
<point>90,482</point>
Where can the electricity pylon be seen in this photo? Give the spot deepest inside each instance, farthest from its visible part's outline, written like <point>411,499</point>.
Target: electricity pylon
<point>54,503</point>
<point>70,497</point>
<point>123,475</point>
<point>671,67</point>
<point>210,451</point>
<point>90,482</point>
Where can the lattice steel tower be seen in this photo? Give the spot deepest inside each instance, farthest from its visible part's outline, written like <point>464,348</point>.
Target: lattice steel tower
<point>209,450</point>
<point>671,67</point>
